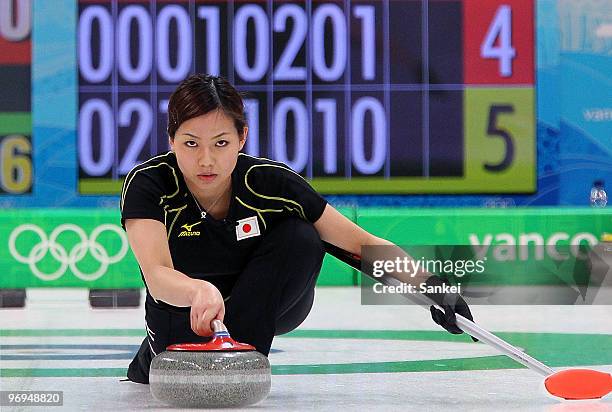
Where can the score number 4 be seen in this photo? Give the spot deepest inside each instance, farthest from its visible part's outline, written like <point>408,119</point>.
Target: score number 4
<point>500,28</point>
<point>16,171</point>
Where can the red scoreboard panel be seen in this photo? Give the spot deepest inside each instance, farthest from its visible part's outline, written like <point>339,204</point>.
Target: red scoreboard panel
<point>15,51</point>
<point>498,42</point>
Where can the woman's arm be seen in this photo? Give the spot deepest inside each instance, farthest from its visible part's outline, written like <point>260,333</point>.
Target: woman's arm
<point>338,230</point>
<point>149,243</point>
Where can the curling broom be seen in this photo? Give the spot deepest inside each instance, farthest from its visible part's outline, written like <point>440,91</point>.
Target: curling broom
<point>567,384</point>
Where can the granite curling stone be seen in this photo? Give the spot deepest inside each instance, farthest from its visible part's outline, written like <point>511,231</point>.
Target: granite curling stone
<point>218,373</point>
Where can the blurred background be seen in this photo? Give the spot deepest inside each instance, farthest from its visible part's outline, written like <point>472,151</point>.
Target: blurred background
<point>426,122</point>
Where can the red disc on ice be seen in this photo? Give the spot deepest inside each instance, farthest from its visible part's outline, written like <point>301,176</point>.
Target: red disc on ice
<point>579,384</point>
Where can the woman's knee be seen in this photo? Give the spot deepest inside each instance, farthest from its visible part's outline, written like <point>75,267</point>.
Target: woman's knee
<point>294,317</point>
<point>303,237</point>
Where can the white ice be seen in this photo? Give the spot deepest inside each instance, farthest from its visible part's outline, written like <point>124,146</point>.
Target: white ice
<point>334,309</point>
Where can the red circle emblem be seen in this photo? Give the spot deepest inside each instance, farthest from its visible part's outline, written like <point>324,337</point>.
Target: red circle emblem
<point>246,228</point>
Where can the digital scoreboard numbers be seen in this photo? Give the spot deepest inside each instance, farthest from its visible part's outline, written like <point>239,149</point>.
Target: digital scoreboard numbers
<point>359,96</point>
<point>16,171</point>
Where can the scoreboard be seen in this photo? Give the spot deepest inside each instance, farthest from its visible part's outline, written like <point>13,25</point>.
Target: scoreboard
<point>358,96</point>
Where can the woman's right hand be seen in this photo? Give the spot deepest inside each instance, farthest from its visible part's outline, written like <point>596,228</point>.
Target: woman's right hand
<point>206,305</point>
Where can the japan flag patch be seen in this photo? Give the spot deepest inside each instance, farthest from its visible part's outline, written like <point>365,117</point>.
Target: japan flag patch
<point>247,228</point>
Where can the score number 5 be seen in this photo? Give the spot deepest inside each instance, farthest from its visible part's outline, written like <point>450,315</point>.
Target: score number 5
<point>499,136</point>
<point>16,170</point>
<point>493,130</point>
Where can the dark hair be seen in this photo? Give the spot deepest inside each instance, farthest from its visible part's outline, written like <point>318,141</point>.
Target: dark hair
<point>200,94</point>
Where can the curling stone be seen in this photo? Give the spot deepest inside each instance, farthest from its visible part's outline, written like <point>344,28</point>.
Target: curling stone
<point>217,373</point>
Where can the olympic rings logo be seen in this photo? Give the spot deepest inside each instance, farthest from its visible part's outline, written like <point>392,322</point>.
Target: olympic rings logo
<point>68,259</point>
